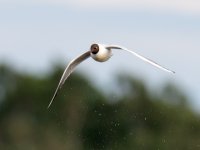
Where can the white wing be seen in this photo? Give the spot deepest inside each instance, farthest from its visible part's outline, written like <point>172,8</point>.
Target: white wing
<point>141,57</point>
<point>69,69</point>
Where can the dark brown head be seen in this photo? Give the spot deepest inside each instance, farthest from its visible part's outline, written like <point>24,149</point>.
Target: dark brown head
<point>94,48</point>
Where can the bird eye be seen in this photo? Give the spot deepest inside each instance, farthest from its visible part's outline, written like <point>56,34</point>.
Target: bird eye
<point>94,49</point>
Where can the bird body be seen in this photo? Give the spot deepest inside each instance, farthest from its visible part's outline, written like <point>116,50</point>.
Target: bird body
<point>100,53</point>
<point>103,53</point>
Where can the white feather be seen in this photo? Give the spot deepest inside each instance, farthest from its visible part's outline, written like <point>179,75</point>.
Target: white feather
<point>141,57</point>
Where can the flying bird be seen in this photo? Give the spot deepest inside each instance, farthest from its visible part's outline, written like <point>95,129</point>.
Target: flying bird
<point>100,53</point>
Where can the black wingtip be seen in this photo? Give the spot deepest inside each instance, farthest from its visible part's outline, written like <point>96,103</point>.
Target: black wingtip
<point>173,72</point>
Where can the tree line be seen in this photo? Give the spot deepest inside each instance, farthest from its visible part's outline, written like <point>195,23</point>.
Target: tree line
<point>83,118</point>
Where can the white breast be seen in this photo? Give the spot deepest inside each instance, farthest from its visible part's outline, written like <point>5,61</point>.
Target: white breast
<point>103,54</point>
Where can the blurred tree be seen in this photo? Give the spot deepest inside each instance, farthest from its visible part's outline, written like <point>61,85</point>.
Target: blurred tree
<point>82,118</point>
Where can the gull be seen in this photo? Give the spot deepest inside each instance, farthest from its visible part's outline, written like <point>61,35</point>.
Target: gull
<point>100,53</point>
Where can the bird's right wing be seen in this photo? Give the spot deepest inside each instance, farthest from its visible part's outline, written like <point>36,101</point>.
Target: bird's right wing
<point>69,69</point>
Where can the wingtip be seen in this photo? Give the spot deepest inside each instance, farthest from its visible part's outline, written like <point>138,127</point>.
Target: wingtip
<point>49,104</point>
<point>172,71</point>
<point>52,100</point>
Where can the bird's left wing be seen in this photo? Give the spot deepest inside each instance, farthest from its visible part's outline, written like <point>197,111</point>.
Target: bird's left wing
<point>141,57</point>
<point>69,69</point>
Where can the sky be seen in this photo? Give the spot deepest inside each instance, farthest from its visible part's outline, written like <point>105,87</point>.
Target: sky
<point>35,34</point>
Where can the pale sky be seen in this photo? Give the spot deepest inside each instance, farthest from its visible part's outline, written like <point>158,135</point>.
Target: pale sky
<point>36,33</point>
<point>177,5</point>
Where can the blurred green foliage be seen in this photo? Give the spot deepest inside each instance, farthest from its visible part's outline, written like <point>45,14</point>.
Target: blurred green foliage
<point>82,118</point>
